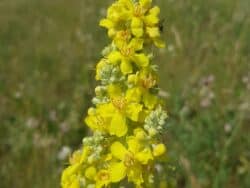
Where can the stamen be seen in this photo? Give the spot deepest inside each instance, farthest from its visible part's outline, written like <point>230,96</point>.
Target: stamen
<point>129,160</point>
<point>138,11</point>
<point>148,82</point>
<point>125,51</point>
<point>103,175</point>
<point>119,103</point>
<point>125,35</point>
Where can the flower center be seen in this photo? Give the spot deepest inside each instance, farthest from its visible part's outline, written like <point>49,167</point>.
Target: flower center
<point>148,82</point>
<point>138,11</point>
<point>125,51</point>
<point>100,120</point>
<point>129,160</point>
<point>103,175</point>
<point>125,35</point>
<point>119,103</point>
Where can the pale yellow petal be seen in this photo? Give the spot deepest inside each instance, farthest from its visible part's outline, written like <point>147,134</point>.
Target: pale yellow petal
<point>75,183</point>
<point>117,171</point>
<point>153,32</point>
<point>90,173</point>
<point>159,43</point>
<point>150,100</point>
<point>145,3</point>
<point>133,144</point>
<point>136,44</point>
<point>138,32</point>
<point>133,110</point>
<point>134,94</point>
<point>118,150</point>
<point>159,150</point>
<point>135,175</point>
<point>137,27</point>
<point>106,23</point>
<point>114,90</point>
<point>141,60</point>
<point>154,11</point>
<point>144,156</point>
<point>114,57</point>
<point>118,125</point>
<point>126,67</point>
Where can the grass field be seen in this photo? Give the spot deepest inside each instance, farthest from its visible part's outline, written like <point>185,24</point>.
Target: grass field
<point>48,50</point>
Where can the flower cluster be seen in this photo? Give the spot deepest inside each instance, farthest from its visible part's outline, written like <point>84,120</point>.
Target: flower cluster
<point>128,117</point>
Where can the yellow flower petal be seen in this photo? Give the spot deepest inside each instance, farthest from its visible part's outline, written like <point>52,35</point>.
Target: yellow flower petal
<point>133,110</point>
<point>114,90</point>
<point>134,95</point>
<point>91,122</point>
<point>132,79</point>
<point>90,173</point>
<point>102,178</point>
<point>133,144</point>
<point>118,150</point>
<point>154,11</point>
<point>136,44</point>
<point>137,27</point>
<point>140,134</point>
<point>106,110</point>
<point>106,23</point>
<point>159,150</point>
<point>152,18</point>
<point>127,3</point>
<point>75,157</point>
<point>145,3</point>
<point>68,173</point>
<point>153,32</point>
<point>144,156</point>
<point>159,43</point>
<point>111,32</point>
<point>135,175</point>
<point>138,32</point>
<point>141,60</point>
<point>75,184</point>
<point>118,125</point>
<point>114,57</point>
<point>117,171</point>
<point>150,100</point>
<point>126,67</point>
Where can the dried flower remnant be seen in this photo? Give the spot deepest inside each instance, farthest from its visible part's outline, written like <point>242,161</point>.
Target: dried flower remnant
<point>206,92</point>
<point>128,118</point>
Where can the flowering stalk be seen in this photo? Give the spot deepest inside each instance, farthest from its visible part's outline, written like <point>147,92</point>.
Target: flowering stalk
<point>127,118</point>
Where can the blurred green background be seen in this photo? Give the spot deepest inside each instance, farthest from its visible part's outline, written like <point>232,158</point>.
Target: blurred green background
<point>48,50</point>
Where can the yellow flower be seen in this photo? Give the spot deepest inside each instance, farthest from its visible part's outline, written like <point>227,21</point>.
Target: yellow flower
<point>141,15</point>
<point>127,54</point>
<point>96,120</point>
<point>159,150</point>
<point>117,16</point>
<point>144,81</point>
<point>102,63</point>
<point>130,161</point>
<point>112,117</point>
<point>143,19</point>
<point>69,177</point>
<point>90,173</point>
<point>122,37</point>
<point>102,178</point>
<point>121,108</point>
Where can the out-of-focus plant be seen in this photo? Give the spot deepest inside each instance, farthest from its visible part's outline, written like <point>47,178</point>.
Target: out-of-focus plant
<point>128,118</point>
